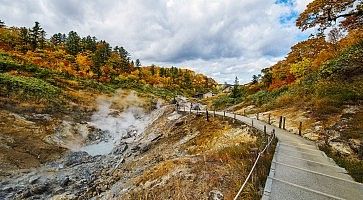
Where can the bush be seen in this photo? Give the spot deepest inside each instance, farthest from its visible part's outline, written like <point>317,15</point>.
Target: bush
<point>225,101</point>
<point>346,66</point>
<point>338,91</point>
<point>264,97</point>
<point>27,86</point>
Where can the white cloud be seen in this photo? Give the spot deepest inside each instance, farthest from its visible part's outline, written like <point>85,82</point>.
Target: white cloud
<point>222,39</point>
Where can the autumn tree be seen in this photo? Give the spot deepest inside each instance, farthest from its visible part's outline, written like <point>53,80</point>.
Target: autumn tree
<point>325,13</point>
<point>72,43</point>
<point>266,78</point>
<point>334,36</point>
<point>84,64</point>
<point>301,69</point>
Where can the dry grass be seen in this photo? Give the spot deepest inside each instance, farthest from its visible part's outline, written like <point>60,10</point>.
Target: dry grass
<point>218,158</point>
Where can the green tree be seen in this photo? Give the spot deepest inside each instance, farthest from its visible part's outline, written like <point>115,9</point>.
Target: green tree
<point>35,35</point>
<point>2,24</point>
<point>58,38</point>
<point>89,43</point>
<point>152,70</point>
<point>125,59</point>
<point>162,72</point>
<point>137,63</point>
<point>100,57</point>
<point>236,91</point>
<point>266,78</point>
<point>42,39</point>
<point>72,43</point>
<point>255,79</point>
<point>187,80</point>
<point>24,39</point>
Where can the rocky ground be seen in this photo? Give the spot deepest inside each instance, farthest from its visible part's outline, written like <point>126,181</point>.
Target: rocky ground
<point>160,154</point>
<point>341,131</point>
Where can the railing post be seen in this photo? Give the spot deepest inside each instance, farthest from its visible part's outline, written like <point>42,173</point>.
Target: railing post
<point>224,114</point>
<point>264,130</point>
<point>283,123</point>
<point>257,116</point>
<point>280,122</point>
<point>300,127</point>
<point>269,118</point>
<point>177,108</point>
<point>214,113</point>
<point>206,113</point>
<point>252,123</point>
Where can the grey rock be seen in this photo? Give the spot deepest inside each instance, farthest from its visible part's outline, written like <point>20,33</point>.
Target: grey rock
<point>144,148</point>
<point>120,148</point>
<point>215,195</point>
<point>33,179</point>
<point>39,189</point>
<point>76,158</point>
<point>65,181</point>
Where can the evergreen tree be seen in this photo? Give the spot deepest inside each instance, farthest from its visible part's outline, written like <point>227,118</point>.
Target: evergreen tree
<point>89,43</point>
<point>24,39</point>
<point>255,79</point>
<point>152,70</point>
<point>162,72</point>
<point>187,80</point>
<point>137,63</point>
<point>2,24</point>
<point>58,38</point>
<point>125,59</point>
<point>72,43</point>
<point>35,35</point>
<point>42,39</point>
<point>236,91</point>
<point>102,53</point>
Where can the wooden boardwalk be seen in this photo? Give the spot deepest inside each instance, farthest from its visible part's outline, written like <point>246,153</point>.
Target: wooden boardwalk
<point>300,171</point>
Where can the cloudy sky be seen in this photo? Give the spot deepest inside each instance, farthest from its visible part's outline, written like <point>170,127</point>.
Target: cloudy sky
<point>220,38</point>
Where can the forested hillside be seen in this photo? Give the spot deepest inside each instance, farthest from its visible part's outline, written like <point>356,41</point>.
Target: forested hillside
<point>33,64</point>
<point>321,77</point>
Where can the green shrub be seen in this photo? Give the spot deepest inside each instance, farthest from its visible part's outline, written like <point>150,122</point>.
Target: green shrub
<point>346,66</point>
<point>338,91</point>
<point>264,97</point>
<point>27,86</point>
<point>223,101</point>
